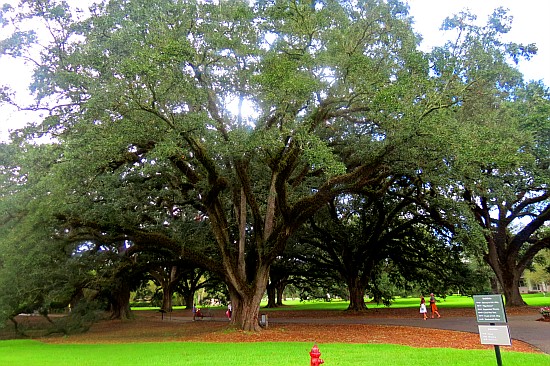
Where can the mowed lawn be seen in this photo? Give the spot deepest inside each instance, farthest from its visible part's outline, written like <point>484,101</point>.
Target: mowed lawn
<point>454,301</point>
<point>35,353</point>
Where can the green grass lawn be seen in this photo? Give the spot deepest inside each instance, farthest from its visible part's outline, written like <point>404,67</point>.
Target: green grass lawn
<point>454,301</point>
<point>35,353</point>
<point>537,299</point>
<point>26,353</point>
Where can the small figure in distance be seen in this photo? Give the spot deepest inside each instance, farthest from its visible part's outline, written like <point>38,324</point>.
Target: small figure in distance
<point>433,306</point>
<point>423,309</point>
<point>199,314</point>
<point>229,311</point>
<point>194,312</point>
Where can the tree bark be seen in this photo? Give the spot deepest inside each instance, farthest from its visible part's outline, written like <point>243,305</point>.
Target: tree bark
<point>271,298</point>
<point>167,293</point>
<point>120,301</point>
<point>245,301</point>
<point>511,290</point>
<point>504,263</point>
<point>275,290</point>
<point>356,295</point>
<point>189,300</point>
<point>280,291</point>
<point>494,285</point>
<point>246,312</point>
<point>508,277</point>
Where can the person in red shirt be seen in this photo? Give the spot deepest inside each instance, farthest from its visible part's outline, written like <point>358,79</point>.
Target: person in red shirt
<point>433,306</point>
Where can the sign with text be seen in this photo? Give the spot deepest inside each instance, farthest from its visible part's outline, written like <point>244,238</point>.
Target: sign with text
<point>494,334</point>
<point>490,309</point>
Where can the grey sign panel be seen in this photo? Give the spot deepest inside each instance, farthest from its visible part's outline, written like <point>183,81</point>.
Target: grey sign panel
<point>490,309</point>
<point>498,335</point>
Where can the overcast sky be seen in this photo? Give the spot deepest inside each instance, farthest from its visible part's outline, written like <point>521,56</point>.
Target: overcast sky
<point>531,25</point>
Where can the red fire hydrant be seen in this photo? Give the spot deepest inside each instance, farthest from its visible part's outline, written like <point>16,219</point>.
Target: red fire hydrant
<point>315,354</point>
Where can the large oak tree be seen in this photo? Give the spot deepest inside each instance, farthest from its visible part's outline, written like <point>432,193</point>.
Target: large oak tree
<point>254,115</point>
<point>500,169</point>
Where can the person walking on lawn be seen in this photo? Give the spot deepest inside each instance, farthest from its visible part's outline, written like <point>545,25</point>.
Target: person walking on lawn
<point>433,306</point>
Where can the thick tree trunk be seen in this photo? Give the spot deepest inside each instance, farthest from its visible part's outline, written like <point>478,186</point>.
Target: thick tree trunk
<point>189,299</point>
<point>508,276</point>
<point>167,279</point>
<point>246,303</point>
<point>510,287</point>
<point>246,312</point>
<point>167,293</point>
<point>280,291</point>
<point>120,301</point>
<point>494,285</point>
<point>356,295</point>
<point>275,290</point>
<point>271,298</point>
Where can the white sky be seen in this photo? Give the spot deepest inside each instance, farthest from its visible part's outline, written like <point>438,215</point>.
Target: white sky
<point>531,25</point>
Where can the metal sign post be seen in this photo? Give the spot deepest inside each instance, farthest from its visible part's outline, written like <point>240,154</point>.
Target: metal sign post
<point>490,309</point>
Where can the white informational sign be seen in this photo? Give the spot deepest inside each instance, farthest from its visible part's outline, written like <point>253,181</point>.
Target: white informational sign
<point>498,335</point>
<point>490,309</point>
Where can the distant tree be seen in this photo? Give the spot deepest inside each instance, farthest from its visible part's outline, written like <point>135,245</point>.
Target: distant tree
<point>193,280</point>
<point>506,183</point>
<point>357,234</point>
<point>168,277</point>
<point>279,274</point>
<point>539,271</point>
<point>511,203</point>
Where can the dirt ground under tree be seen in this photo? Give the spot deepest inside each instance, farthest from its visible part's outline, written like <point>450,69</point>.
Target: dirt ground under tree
<point>151,326</point>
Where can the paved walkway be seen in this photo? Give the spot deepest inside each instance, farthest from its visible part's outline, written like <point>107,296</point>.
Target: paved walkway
<point>525,328</point>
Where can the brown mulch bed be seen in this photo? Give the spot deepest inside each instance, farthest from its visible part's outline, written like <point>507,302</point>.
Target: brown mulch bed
<point>149,327</point>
